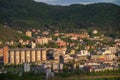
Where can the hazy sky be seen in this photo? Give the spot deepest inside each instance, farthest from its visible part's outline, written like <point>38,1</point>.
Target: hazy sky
<point>68,2</point>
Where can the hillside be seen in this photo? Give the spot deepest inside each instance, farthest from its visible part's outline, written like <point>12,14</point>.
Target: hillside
<point>9,34</point>
<point>21,14</point>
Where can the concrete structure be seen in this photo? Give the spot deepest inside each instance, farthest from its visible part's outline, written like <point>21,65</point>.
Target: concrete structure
<point>33,56</point>
<point>12,57</point>
<point>22,56</point>
<point>5,55</point>
<point>38,55</point>
<point>44,55</point>
<point>18,56</point>
<point>27,56</point>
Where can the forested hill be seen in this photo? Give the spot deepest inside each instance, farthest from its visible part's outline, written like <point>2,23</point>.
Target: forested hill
<point>22,14</point>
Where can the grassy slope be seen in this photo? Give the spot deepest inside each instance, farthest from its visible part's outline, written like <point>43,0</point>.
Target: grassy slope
<point>9,34</point>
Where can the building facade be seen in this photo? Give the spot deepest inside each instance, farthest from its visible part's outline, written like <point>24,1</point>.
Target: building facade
<point>19,56</point>
<point>28,33</point>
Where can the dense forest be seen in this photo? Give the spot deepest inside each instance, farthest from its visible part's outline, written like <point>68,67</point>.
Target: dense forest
<point>21,14</point>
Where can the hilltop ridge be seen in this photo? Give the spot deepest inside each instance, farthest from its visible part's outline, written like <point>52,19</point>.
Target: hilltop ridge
<point>26,14</point>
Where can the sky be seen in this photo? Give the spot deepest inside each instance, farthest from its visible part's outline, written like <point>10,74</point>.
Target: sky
<point>68,2</point>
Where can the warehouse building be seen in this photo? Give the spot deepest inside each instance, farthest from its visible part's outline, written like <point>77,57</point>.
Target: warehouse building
<point>19,56</point>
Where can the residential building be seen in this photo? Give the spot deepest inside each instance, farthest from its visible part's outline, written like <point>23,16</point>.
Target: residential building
<point>83,53</point>
<point>33,45</point>
<point>82,35</point>
<point>112,49</point>
<point>28,33</point>
<point>43,40</point>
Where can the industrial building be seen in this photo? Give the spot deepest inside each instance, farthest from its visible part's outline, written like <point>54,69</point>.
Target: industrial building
<point>19,56</point>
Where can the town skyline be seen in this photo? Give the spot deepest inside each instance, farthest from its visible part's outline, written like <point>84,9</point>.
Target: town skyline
<point>59,41</point>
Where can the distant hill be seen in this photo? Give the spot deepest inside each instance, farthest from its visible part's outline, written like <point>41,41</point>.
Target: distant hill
<point>21,14</point>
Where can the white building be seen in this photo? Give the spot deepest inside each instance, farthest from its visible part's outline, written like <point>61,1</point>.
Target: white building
<point>94,31</point>
<point>74,38</point>
<point>49,73</point>
<point>33,45</point>
<point>26,67</point>
<point>83,53</point>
